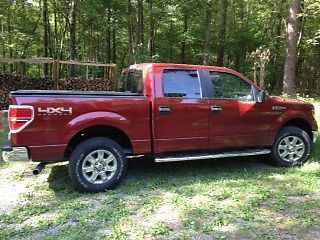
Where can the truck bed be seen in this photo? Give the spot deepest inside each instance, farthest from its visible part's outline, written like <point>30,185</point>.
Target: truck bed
<point>57,93</point>
<point>60,116</point>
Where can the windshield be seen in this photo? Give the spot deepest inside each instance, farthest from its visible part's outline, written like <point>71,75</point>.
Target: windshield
<point>131,82</point>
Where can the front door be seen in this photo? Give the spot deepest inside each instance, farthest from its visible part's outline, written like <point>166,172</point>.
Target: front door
<point>236,120</point>
<point>181,113</point>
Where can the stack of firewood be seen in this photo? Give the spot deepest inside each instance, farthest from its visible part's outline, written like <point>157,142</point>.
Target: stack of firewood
<point>3,100</point>
<point>10,83</point>
<point>14,82</point>
<point>79,84</point>
<point>3,122</point>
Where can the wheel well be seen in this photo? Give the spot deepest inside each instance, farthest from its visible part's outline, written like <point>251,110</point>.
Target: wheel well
<point>99,131</point>
<point>300,123</point>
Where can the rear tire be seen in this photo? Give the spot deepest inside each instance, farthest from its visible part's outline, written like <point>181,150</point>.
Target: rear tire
<point>292,147</point>
<point>97,164</point>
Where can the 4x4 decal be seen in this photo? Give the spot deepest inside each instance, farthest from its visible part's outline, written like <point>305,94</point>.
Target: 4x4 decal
<point>55,111</point>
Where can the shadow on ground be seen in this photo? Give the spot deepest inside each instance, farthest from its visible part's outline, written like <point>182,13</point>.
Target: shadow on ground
<point>257,192</point>
<point>142,171</point>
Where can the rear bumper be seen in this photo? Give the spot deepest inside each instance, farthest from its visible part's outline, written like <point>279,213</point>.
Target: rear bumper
<point>314,137</point>
<point>42,153</point>
<point>15,154</point>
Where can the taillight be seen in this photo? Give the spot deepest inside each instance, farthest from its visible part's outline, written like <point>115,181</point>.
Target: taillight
<point>20,117</point>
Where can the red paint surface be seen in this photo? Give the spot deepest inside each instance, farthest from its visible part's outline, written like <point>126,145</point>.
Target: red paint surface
<point>191,126</point>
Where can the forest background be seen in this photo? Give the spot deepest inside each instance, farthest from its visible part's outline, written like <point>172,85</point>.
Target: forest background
<point>275,42</point>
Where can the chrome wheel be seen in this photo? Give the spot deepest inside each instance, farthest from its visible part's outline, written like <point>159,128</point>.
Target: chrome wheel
<point>291,148</point>
<point>99,166</point>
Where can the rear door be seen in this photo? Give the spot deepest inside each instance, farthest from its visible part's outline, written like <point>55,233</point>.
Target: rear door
<point>181,110</point>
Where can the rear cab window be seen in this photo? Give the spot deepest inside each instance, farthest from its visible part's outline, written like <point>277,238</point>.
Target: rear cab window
<point>181,83</point>
<point>131,82</point>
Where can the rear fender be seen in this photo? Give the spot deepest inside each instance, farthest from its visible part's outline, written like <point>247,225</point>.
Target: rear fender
<point>94,119</point>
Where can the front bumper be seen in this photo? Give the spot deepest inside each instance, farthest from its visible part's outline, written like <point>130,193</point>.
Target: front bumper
<point>16,154</point>
<point>314,136</point>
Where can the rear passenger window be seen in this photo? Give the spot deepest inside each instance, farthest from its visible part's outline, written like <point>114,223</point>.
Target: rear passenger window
<point>181,83</point>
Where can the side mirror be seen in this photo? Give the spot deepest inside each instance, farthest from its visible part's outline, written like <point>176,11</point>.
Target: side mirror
<point>260,96</point>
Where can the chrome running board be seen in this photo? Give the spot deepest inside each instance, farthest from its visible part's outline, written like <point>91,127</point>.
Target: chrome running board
<point>199,156</point>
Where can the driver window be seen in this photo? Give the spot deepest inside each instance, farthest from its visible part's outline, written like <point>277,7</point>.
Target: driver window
<point>228,86</point>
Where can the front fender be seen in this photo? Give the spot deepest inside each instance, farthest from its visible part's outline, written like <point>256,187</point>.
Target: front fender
<point>281,119</point>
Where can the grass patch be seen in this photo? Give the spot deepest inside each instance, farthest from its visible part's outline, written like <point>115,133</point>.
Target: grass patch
<point>3,139</point>
<point>236,198</point>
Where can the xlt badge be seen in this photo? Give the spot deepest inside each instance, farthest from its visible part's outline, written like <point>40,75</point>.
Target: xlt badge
<point>278,108</point>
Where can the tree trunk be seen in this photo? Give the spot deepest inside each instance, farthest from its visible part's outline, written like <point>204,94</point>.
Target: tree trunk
<point>239,26</point>
<point>183,43</point>
<point>55,55</point>
<point>90,53</point>
<point>275,77</point>
<point>3,46</point>
<point>222,32</point>
<point>140,22</point>
<point>171,44</point>
<point>114,46</point>
<point>46,36</point>
<point>255,74</point>
<point>151,29</point>
<point>131,39</point>
<point>10,38</point>
<point>73,30</point>
<point>300,58</point>
<point>63,37</point>
<point>208,34</point>
<point>109,35</point>
<point>262,74</point>
<point>291,48</point>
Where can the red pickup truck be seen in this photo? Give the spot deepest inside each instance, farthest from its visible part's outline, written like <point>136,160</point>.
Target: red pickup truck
<point>171,112</point>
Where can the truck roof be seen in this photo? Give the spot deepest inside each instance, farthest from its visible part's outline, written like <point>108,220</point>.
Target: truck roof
<point>178,65</point>
<point>143,66</point>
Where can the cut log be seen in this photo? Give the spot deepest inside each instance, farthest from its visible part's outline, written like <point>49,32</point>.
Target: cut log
<point>10,83</point>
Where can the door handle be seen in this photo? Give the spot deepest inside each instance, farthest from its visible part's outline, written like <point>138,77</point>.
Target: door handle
<point>216,109</point>
<point>164,110</point>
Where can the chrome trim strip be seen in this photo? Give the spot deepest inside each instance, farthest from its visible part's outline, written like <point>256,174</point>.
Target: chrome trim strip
<point>17,154</point>
<point>213,155</point>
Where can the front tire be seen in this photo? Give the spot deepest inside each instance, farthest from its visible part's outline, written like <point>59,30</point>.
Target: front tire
<point>97,164</point>
<point>292,146</point>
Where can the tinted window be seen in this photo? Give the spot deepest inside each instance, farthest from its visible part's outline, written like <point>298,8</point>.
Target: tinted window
<point>230,86</point>
<point>131,82</point>
<point>181,83</point>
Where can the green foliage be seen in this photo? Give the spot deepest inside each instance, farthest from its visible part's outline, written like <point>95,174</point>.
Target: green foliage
<point>3,139</point>
<point>102,34</point>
